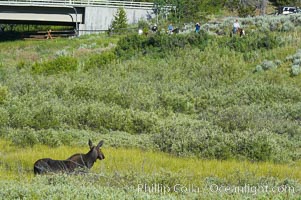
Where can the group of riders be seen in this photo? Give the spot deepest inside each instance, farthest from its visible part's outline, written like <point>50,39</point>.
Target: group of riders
<point>170,29</point>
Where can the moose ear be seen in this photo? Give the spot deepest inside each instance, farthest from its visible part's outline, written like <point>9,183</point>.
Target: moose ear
<point>90,143</point>
<point>100,144</point>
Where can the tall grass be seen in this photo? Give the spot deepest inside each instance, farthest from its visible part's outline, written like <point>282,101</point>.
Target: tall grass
<point>127,168</point>
<point>19,161</point>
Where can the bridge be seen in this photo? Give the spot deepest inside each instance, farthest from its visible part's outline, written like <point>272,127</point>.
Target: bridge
<point>85,16</point>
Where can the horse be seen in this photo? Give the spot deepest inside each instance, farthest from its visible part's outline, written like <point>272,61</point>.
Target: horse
<point>79,160</point>
<point>240,31</point>
<point>173,31</point>
<point>176,30</point>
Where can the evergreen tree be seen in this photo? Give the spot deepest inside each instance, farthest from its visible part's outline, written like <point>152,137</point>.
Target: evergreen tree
<point>120,21</point>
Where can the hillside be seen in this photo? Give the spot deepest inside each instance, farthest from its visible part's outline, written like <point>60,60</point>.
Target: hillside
<point>200,96</point>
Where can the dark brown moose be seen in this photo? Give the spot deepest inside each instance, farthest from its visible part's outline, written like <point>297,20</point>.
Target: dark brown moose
<point>78,160</point>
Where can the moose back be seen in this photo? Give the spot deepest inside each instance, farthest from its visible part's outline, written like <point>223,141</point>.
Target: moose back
<point>78,160</point>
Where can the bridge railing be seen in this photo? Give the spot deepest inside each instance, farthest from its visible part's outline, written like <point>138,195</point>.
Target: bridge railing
<point>80,3</point>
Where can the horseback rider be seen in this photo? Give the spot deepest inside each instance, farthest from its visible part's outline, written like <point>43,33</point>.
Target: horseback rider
<point>170,29</point>
<point>155,28</point>
<point>235,26</point>
<point>197,27</point>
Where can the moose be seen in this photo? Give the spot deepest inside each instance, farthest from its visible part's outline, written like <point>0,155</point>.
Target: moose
<point>79,160</point>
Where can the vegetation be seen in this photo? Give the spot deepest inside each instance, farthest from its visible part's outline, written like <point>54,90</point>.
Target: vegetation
<point>119,22</point>
<point>191,10</point>
<point>199,109</point>
<point>125,172</point>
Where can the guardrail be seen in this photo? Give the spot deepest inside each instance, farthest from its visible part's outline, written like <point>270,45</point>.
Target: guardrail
<point>80,3</point>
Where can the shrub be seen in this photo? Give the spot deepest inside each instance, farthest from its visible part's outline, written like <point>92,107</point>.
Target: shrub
<point>190,137</point>
<point>268,64</point>
<point>23,137</point>
<point>56,66</point>
<point>143,24</point>
<point>253,42</point>
<point>258,68</point>
<point>252,117</point>
<point>84,91</point>
<point>57,137</point>
<point>129,46</point>
<point>100,60</point>
<point>159,44</point>
<point>4,117</point>
<point>98,117</point>
<point>45,116</point>
<point>177,102</point>
<point>3,94</point>
<point>261,146</point>
<point>296,62</point>
<point>200,138</point>
<point>288,26</point>
<point>295,70</point>
<point>20,115</point>
<point>21,65</point>
<point>246,11</point>
<point>62,52</point>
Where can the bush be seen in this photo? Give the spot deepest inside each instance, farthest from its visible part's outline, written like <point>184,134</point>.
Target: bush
<point>258,68</point>
<point>100,60</point>
<point>261,146</point>
<point>46,116</point>
<point>246,11</point>
<point>177,102</point>
<point>4,117</point>
<point>84,91</point>
<point>267,65</point>
<point>159,44</point>
<point>201,139</point>
<point>23,137</point>
<point>56,66</point>
<point>20,115</point>
<point>296,62</point>
<point>253,42</point>
<point>288,26</point>
<point>190,137</point>
<point>114,118</point>
<point>3,94</point>
<point>296,70</point>
<point>129,46</point>
<point>143,24</point>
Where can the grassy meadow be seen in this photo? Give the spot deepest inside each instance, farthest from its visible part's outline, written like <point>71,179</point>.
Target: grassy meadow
<point>187,116</point>
<point>120,176</point>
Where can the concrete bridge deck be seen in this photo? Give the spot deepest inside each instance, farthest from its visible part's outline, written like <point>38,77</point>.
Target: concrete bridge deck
<point>79,3</point>
<point>85,15</point>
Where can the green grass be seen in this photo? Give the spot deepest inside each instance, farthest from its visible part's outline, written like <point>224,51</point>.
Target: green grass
<point>127,168</point>
<point>199,116</point>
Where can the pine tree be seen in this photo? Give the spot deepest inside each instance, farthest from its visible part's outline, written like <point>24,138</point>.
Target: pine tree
<point>120,21</point>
